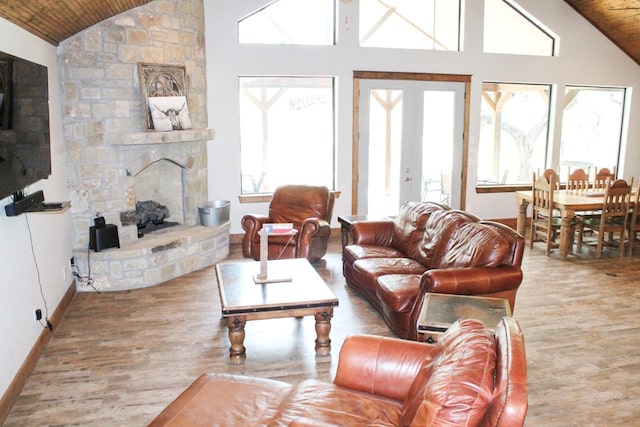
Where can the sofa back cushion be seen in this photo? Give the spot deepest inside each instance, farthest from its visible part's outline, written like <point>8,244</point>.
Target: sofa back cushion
<point>437,231</point>
<point>295,203</point>
<point>409,225</point>
<point>471,245</point>
<point>455,385</point>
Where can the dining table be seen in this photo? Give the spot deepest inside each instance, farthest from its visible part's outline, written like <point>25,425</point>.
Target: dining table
<point>568,202</point>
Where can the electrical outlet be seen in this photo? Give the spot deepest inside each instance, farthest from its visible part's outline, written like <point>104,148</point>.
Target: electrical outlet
<point>37,315</point>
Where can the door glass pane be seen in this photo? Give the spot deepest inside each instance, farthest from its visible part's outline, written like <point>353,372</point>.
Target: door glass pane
<point>591,128</point>
<point>514,125</point>
<point>385,134</point>
<point>437,146</point>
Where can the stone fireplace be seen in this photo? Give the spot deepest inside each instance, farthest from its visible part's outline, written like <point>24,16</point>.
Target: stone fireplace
<point>169,168</point>
<point>113,160</point>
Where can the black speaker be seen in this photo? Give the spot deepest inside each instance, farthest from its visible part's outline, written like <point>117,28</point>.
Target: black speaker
<point>103,237</point>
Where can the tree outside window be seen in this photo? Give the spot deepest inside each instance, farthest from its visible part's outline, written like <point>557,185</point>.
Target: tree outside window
<point>514,130</point>
<point>591,128</point>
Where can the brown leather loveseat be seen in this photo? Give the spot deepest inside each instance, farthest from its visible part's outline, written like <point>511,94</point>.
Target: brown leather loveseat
<point>429,247</point>
<point>471,377</point>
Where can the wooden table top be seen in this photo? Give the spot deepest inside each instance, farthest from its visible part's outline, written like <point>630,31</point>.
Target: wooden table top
<point>571,199</point>
<point>239,294</point>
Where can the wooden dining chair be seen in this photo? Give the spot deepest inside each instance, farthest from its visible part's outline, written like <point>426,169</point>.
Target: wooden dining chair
<point>612,219</point>
<point>634,219</point>
<point>602,176</point>
<point>578,181</point>
<point>544,222</point>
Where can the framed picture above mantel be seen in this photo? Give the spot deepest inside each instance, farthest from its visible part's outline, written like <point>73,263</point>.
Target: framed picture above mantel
<point>161,80</point>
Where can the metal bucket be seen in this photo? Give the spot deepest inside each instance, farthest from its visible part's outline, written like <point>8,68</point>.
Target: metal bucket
<point>214,213</point>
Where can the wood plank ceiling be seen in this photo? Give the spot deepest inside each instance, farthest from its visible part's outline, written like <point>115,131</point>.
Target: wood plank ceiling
<point>619,20</point>
<point>55,21</point>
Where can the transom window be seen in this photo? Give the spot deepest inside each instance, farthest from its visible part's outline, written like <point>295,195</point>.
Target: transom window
<point>308,22</point>
<point>410,24</point>
<point>286,132</point>
<point>509,29</point>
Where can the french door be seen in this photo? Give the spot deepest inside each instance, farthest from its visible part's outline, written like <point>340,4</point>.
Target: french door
<point>410,143</point>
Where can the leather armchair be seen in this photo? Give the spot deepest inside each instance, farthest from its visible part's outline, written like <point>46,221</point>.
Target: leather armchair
<point>309,208</point>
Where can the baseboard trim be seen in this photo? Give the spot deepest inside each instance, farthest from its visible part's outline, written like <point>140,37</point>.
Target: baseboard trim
<point>15,388</point>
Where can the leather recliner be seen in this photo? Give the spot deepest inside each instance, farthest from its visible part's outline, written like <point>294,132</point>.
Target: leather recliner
<point>309,208</point>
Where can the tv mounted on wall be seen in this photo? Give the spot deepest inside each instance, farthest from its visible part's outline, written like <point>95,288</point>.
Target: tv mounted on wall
<point>25,153</point>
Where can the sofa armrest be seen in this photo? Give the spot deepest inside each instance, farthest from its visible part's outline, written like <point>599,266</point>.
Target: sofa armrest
<point>251,224</point>
<point>378,233</point>
<point>310,229</point>
<point>381,366</point>
<point>472,281</point>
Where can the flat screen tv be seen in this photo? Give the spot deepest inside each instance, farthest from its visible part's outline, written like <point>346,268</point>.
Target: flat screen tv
<point>25,153</point>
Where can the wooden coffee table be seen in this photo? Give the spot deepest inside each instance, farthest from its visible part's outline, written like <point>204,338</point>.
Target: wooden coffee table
<point>242,299</point>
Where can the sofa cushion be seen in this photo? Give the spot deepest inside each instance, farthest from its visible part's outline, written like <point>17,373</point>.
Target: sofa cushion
<point>456,382</point>
<point>369,269</point>
<point>208,399</point>
<point>409,225</point>
<point>314,402</point>
<point>352,253</point>
<point>398,291</point>
<point>438,229</point>
<point>473,245</point>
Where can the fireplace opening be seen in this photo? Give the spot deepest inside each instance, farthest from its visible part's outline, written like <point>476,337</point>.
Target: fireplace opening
<point>152,216</point>
<point>159,191</point>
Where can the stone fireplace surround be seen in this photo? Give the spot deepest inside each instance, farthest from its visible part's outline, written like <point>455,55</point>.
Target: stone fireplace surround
<point>167,253</point>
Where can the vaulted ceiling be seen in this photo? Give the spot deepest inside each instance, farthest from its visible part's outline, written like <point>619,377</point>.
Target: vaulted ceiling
<point>55,21</point>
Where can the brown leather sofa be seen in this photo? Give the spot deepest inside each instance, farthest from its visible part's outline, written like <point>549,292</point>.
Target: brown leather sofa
<point>471,377</point>
<point>309,208</point>
<point>430,248</point>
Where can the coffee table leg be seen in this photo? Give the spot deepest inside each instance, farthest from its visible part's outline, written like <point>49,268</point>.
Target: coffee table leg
<point>237,351</point>
<point>323,327</point>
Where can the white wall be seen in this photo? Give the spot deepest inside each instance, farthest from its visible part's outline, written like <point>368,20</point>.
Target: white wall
<point>48,235</point>
<point>586,57</point>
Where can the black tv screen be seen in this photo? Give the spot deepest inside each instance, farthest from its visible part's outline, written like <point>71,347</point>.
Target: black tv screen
<point>25,153</point>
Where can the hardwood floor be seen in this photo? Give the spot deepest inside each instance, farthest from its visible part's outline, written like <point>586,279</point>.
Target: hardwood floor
<point>118,359</point>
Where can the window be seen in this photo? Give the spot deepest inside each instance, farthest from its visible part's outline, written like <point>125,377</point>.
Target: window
<point>508,29</point>
<point>308,22</point>
<point>513,132</point>
<point>591,127</point>
<point>286,132</point>
<point>410,24</point>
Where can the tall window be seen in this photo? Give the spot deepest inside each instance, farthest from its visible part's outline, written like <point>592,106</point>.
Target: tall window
<point>513,132</point>
<point>591,127</point>
<point>286,132</point>
<point>410,24</point>
<point>509,29</point>
<point>308,22</point>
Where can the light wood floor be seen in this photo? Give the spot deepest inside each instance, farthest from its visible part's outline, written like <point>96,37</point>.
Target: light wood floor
<point>117,359</point>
